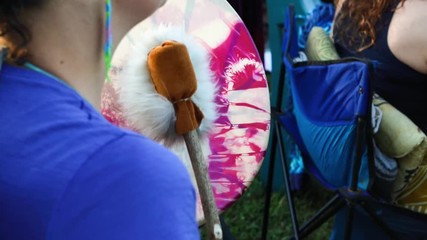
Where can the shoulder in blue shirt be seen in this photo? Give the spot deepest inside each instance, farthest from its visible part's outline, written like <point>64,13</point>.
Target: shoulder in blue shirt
<point>66,173</point>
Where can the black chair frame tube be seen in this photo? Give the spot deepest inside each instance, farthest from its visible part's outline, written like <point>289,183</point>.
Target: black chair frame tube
<point>273,149</point>
<point>377,221</point>
<point>287,180</point>
<point>335,204</point>
<point>268,189</point>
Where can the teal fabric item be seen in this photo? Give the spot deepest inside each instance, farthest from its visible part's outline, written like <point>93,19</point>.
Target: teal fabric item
<point>321,16</point>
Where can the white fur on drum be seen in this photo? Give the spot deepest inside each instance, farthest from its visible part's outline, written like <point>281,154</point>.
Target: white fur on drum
<point>150,113</point>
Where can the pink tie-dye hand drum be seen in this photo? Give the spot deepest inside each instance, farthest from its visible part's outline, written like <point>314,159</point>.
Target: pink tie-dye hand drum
<point>238,139</point>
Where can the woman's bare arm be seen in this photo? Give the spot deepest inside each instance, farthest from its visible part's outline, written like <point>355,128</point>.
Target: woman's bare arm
<point>407,36</point>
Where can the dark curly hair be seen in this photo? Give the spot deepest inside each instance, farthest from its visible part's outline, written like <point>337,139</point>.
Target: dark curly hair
<point>13,34</point>
<point>356,23</point>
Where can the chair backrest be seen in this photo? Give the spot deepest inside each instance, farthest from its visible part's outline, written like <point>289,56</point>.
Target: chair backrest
<point>331,106</point>
<point>331,122</point>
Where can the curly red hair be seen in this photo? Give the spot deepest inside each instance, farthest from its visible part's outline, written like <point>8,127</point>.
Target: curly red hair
<point>356,23</point>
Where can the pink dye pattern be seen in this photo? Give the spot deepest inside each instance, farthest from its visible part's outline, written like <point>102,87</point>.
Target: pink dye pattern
<point>110,107</point>
<point>238,144</point>
<point>239,140</point>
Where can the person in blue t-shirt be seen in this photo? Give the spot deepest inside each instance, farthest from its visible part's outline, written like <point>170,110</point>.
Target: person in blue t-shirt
<point>65,172</point>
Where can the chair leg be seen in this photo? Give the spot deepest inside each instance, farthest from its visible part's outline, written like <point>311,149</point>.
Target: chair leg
<point>287,180</point>
<point>377,221</point>
<point>274,138</point>
<point>227,235</point>
<point>326,212</point>
<point>268,188</point>
<point>349,222</point>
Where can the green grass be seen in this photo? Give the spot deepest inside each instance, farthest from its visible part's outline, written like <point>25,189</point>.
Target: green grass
<point>244,218</point>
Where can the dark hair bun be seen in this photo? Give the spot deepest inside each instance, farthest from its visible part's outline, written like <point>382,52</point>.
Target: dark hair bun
<point>10,25</point>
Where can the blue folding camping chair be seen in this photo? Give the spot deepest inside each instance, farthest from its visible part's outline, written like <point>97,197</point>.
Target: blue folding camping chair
<point>331,122</point>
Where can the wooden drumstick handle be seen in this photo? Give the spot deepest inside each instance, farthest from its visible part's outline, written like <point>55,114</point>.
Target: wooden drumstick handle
<point>200,168</point>
<point>174,78</point>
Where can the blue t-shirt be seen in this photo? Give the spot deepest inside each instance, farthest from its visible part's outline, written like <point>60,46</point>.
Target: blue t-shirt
<point>67,173</point>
